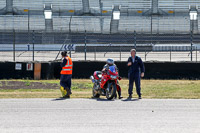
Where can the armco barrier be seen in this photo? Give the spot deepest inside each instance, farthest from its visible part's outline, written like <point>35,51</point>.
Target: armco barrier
<point>112,48</point>
<point>83,69</point>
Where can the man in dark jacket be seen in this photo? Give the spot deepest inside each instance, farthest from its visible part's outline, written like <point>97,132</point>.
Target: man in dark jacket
<point>136,70</point>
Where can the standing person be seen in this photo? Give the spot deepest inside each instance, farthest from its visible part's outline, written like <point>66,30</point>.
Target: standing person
<point>66,75</point>
<point>136,70</point>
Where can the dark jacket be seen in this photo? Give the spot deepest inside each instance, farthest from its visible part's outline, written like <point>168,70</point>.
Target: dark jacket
<point>64,62</point>
<point>137,66</point>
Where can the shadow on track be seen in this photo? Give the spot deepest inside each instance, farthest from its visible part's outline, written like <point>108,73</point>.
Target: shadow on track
<point>100,99</point>
<point>129,99</point>
<point>59,99</point>
<point>124,100</point>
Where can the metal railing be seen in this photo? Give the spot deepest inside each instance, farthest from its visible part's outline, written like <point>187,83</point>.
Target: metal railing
<point>44,46</point>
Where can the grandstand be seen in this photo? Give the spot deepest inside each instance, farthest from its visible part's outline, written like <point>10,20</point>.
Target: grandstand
<point>143,22</point>
<point>171,16</point>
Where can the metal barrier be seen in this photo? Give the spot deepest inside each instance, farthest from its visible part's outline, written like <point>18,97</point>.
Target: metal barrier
<point>44,46</point>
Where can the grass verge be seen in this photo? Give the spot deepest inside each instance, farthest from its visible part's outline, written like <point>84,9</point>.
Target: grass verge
<point>81,88</point>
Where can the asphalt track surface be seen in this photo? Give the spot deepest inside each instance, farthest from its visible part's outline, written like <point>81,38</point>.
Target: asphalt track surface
<point>99,116</point>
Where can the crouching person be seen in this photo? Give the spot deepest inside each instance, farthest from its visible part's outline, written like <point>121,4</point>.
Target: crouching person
<point>66,75</point>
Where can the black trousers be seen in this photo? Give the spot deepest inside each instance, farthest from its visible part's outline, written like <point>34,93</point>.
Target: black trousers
<point>65,81</point>
<point>134,78</point>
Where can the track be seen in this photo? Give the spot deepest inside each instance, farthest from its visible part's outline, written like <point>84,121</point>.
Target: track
<point>99,115</point>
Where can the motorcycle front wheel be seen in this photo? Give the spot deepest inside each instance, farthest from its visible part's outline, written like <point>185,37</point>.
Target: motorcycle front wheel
<point>111,91</point>
<point>95,94</point>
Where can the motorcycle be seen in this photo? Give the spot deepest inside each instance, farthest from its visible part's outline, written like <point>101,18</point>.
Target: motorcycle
<point>105,83</point>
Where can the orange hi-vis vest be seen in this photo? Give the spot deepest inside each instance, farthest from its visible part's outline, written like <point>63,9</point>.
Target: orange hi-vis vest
<point>67,69</point>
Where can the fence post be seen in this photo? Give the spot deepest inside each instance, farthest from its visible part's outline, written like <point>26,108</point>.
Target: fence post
<point>14,45</point>
<point>33,44</point>
<point>191,41</point>
<point>120,53</point>
<point>135,39</point>
<point>85,44</point>
<point>95,52</point>
<point>170,53</point>
<point>70,50</point>
<point>196,54</point>
<point>28,20</point>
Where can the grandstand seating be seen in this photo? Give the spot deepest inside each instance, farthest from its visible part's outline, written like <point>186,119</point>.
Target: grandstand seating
<point>135,23</point>
<point>61,23</point>
<point>178,5</point>
<point>37,23</point>
<point>106,24</point>
<point>90,24</point>
<point>168,24</point>
<point>80,24</point>
<point>135,4</point>
<point>2,3</point>
<point>94,6</point>
<point>20,22</point>
<point>28,4</point>
<point>39,4</point>
<point>164,24</point>
<point>134,16</point>
<point>199,23</point>
<point>173,24</point>
<point>9,22</point>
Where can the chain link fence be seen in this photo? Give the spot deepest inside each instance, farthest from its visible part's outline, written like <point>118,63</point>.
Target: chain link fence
<point>20,46</point>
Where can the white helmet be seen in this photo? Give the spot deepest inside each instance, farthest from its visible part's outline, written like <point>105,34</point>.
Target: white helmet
<point>110,62</point>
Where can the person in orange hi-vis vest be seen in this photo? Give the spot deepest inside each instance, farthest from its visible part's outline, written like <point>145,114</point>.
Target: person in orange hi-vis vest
<point>66,75</point>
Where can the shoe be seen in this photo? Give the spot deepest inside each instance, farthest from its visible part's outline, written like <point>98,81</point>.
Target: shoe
<point>66,97</point>
<point>130,96</point>
<point>70,92</point>
<point>139,97</point>
<point>120,97</point>
<point>119,94</point>
<point>115,96</point>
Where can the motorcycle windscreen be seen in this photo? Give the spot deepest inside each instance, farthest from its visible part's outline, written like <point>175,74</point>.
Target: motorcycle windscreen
<point>112,69</point>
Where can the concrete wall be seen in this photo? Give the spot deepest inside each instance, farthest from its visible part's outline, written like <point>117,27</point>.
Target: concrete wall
<point>154,70</point>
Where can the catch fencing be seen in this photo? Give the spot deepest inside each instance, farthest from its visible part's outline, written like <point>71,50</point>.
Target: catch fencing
<point>23,46</point>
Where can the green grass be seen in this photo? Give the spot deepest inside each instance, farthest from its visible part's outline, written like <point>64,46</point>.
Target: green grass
<point>175,89</point>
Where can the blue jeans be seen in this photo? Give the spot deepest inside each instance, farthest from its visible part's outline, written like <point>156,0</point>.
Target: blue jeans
<point>65,81</point>
<point>134,78</point>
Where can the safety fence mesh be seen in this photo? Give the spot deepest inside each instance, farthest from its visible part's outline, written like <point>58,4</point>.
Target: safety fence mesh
<point>20,46</point>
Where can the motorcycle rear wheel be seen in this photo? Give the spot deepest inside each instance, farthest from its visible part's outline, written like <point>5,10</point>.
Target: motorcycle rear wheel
<point>112,91</point>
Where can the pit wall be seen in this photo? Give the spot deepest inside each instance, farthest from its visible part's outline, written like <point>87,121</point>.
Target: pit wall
<point>83,69</point>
